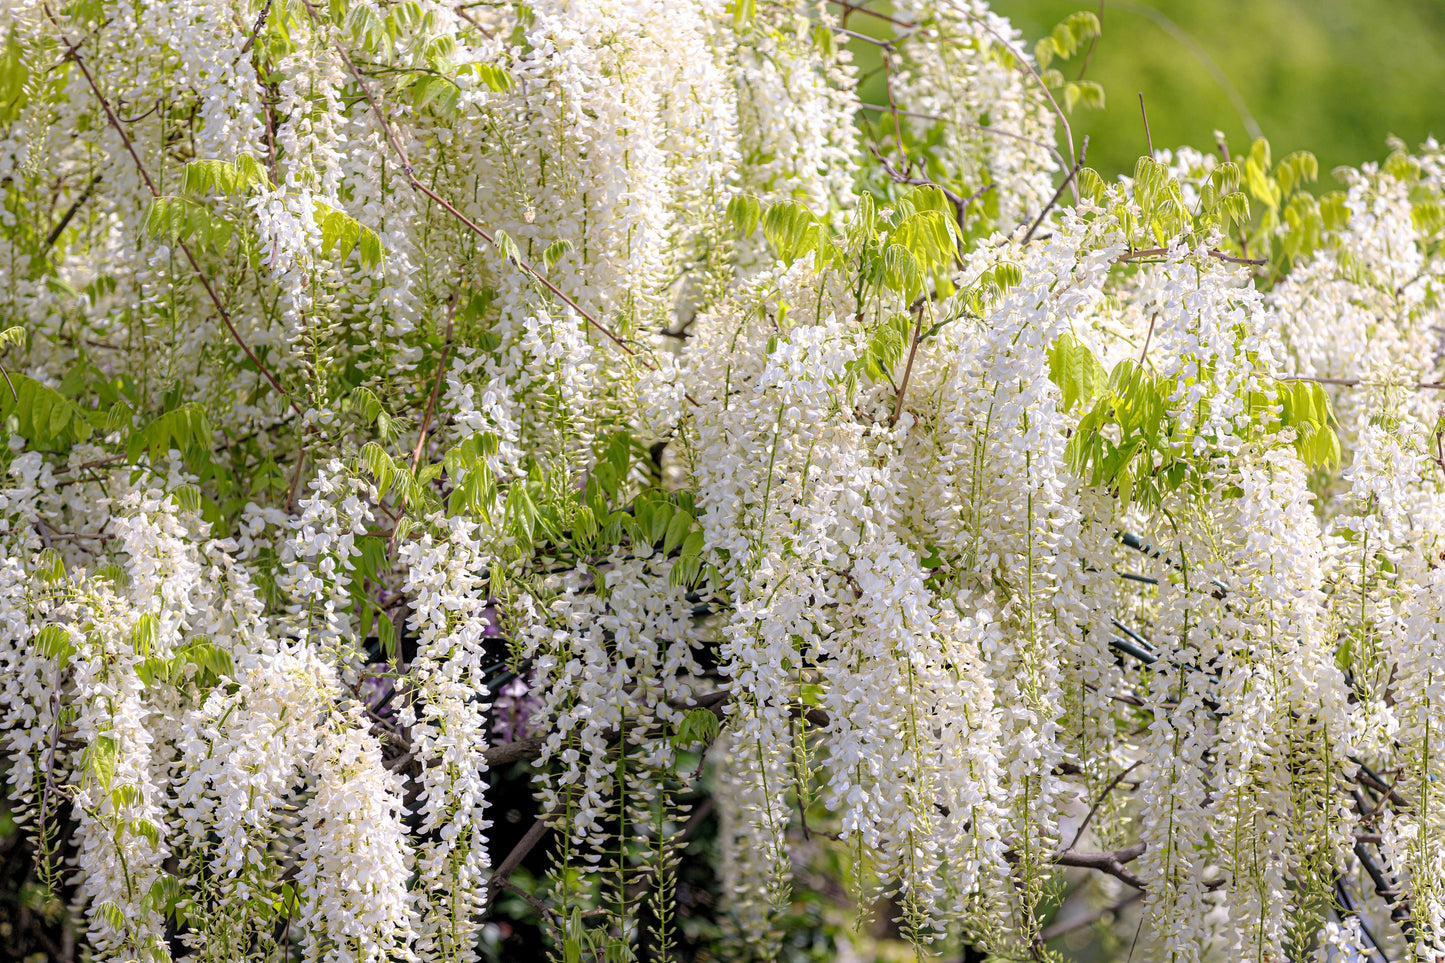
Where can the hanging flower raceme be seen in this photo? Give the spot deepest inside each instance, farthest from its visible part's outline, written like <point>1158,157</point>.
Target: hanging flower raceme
<point>596,417</point>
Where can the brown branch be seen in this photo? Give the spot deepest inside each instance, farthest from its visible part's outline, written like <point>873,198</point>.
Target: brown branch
<point>1357,382</point>
<point>530,747</point>
<point>1148,137</point>
<point>1148,337</point>
<point>1399,910</point>
<point>1068,179</point>
<point>256,30</point>
<point>1215,253</point>
<point>1112,862</point>
<point>66,218</point>
<point>908,368</point>
<point>514,859</point>
<point>1368,776</point>
<point>73,54</point>
<point>518,750</point>
<point>853,8</point>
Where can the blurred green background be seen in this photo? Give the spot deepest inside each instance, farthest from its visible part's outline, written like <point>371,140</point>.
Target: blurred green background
<point>1335,77</point>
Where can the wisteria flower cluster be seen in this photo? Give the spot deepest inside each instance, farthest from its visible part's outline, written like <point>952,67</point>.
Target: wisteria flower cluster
<point>402,396</point>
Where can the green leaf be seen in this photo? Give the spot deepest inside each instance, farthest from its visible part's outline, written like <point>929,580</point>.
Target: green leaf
<point>186,429</point>
<point>697,726</point>
<point>1083,93</point>
<point>187,498</point>
<point>44,417</point>
<point>146,830</point>
<point>1073,367</point>
<point>507,246</point>
<point>101,758</point>
<point>113,916</point>
<point>930,236</point>
<point>863,226</point>
<point>555,252</point>
<point>146,634</point>
<point>49,566</point>
<point>14,78</point>
<point>53,642</point>
<point>206,176</point>
<point>495,77</point>
<point>792,230</point>
<point>342,233</point>
<point>210,657</point>
<point>380,466</point>
<point>13,335</point>
<point>677,529</point>
<point>744,213</point>
<point>386,635</point>
<point>1091,185</point>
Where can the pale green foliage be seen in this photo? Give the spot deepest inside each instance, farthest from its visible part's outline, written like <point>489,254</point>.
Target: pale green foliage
<point>584,403</point>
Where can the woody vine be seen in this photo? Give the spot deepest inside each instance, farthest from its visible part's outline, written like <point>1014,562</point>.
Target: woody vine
<point>400,393</point>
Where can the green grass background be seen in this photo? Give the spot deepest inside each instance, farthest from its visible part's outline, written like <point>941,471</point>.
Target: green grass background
<point>1336,77</point>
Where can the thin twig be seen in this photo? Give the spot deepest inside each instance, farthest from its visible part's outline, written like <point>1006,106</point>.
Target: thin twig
<point>853,8</point>
<point>1112,862</point>
<point>1148,336</point>
<point>435,388</point>
<point>1357,382</point>
<point>514,859</point>
<point>875,41</point>
<point>462,12</point>
<point>908,368</point>
<point>959,202</point>
<point>1215,253</point>
<point>537,904</point>
<point>1068,179</point>
<point>1147,135</point>
<point>1094,43</point>
<point>65,218</point>
<point>295,480</point>
<point>893,103</point>
<point>256,30</point>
